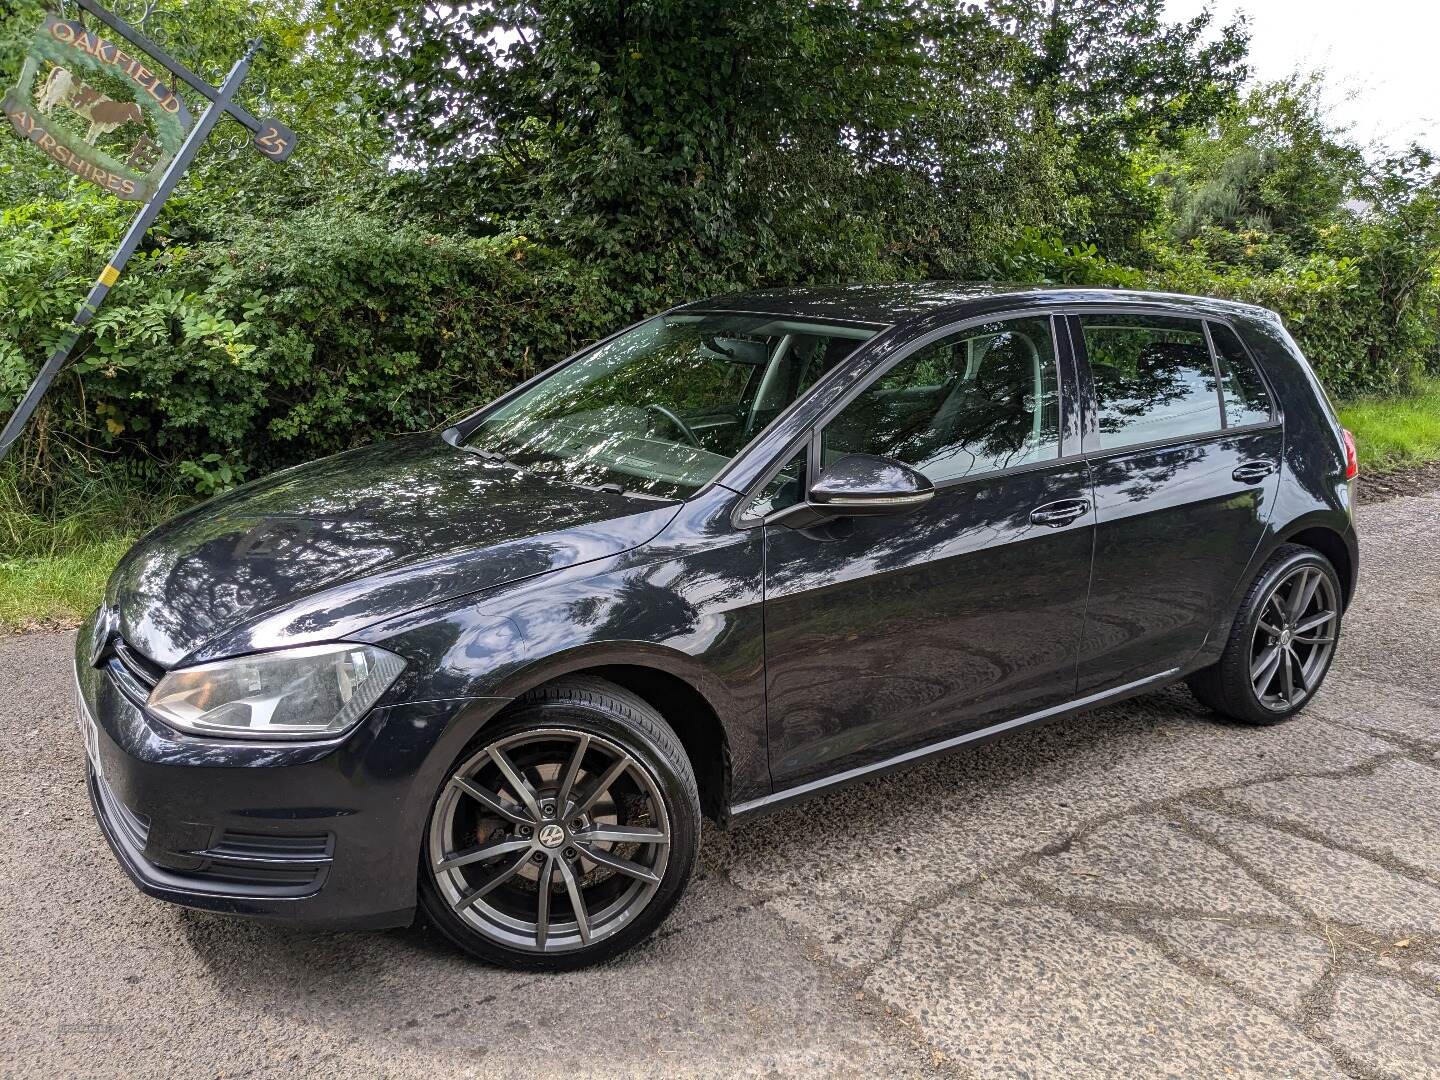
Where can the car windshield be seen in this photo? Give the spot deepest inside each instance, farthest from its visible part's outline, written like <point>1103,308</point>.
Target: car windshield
<point>662,408</point>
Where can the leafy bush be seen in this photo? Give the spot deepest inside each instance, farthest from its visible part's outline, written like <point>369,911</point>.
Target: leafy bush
<point>1363,307</point>
<point>285,341</point>
<point>289,340</point>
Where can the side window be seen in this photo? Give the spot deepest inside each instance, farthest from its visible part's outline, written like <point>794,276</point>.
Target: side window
<point>1154,379</point>
<point>786,488</point>
<point>1246,399</point>
<point>982,400</point>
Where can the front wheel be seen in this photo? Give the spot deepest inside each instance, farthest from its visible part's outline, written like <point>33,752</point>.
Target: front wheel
<point>565,833</point>
<point>1282,641</point>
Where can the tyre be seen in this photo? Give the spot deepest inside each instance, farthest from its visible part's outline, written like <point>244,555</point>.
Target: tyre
<point>564,833</point>
<point>1281,643</point>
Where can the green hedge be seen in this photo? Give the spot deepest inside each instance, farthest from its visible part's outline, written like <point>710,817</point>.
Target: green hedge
<point>288,341</point>
<point>1366,319</point>
<point>218,360</point>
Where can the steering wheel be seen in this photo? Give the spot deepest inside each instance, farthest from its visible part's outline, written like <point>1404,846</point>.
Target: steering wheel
<point>679,425</point>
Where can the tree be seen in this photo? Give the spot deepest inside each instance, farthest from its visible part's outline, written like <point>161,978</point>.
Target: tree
<point>699,141</point>
<point>1113,77</point>
<point>1271,165</point>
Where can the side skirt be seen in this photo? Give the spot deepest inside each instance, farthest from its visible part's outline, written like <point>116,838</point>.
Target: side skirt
<point>756,807</point>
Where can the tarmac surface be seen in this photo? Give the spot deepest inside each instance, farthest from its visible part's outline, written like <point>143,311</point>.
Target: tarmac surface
<point>1140,891</point>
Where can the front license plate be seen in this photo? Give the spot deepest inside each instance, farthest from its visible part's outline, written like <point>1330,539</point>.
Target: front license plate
<point>88,732</point>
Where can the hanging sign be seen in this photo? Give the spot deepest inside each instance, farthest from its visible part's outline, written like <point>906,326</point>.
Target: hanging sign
<point>80,99</point>
<point>55,107</point>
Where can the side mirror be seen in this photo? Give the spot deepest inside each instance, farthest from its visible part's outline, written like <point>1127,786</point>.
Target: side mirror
<point>865,485</point>
<point>859,485</point>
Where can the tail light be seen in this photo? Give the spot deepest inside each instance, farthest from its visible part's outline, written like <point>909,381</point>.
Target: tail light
<point>1352,463</point>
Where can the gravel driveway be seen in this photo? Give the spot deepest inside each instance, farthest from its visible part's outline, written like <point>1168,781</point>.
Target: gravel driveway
<point>1141,891</point>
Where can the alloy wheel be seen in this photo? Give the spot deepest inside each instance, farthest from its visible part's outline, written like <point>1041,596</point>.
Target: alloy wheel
<point>1294,638</point>
<point>549,840</point>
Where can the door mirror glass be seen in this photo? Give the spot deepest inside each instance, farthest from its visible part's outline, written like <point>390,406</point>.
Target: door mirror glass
<point>868,485</point>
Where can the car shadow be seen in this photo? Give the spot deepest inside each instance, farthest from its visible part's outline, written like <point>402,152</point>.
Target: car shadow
<point>338,971</point>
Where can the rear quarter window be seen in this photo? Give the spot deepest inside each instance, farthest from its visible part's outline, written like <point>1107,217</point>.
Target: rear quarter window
<point>1246,399</point>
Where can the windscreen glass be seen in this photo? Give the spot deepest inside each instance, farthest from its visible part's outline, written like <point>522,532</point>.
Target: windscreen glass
<point>662,408</point>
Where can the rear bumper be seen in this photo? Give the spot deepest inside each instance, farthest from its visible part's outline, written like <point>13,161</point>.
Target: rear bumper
<point>321,834</point>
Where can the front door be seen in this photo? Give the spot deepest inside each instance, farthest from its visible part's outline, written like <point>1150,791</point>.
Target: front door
<point>886,633</point>
<point>1185,456</point>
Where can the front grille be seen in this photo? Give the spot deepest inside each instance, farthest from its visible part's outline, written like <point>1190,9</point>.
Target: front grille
<point>260,880</point>
<point>238,845</point>
<point>269,865</point>
<point>141,669</point>
<point>278,861</point>
<point>135,675</point>
<point>236,864</point>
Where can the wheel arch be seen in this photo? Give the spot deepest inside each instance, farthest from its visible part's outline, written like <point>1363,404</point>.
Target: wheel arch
<point>666,681</point>
<point>1330,542</point>
<point>1329,533</point>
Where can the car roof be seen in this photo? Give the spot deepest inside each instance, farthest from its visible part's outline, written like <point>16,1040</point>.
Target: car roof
<point>903,302</point>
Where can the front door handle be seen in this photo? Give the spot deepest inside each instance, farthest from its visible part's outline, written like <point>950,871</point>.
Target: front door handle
<point>1252,472</point>
<point>1059,514</point>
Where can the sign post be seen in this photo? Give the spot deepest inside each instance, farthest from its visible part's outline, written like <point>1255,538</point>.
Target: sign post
<point>62,38</point>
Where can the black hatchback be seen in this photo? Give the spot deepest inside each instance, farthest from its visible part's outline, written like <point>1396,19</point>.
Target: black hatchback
<point>735,555</point>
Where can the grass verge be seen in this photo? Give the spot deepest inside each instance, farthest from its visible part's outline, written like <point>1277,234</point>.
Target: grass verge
<point>1391,432</point>
<point>56,591</point>
<point>57,549</point>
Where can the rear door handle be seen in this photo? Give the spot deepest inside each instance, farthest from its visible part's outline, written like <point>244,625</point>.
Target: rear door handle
<point>1252,472</point>
<point>1059,514</point>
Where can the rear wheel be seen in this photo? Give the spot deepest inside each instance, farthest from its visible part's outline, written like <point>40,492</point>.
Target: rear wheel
<point>1282,641</point>
<point>565,833</point>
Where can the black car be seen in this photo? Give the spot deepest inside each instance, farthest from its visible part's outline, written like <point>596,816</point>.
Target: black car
<point>735,555</point>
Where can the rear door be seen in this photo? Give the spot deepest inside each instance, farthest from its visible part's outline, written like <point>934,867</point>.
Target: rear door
<point>1184,448</point>
<point>882,634</point>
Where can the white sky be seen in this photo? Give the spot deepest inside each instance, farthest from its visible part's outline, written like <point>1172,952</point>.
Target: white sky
<point>1381,59</point>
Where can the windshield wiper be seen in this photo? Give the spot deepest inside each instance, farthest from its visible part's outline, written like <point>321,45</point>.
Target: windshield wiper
<point>452,436</point>
<point>610,487</point>
<point>494,456</point>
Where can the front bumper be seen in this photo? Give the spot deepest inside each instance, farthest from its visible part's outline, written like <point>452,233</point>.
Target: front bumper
<point>322,834</point>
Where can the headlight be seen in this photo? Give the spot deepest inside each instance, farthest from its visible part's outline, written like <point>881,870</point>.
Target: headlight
<point>310,693</point>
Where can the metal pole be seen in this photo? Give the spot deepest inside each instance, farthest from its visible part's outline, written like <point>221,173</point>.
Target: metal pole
<point>219,104</point>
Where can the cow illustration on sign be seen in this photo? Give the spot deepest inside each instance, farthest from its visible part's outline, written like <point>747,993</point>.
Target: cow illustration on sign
<point>105,114</point>
<point>55,90</point>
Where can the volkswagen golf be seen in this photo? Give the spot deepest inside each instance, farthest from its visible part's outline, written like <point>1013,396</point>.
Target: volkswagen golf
<point>736,555</point>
